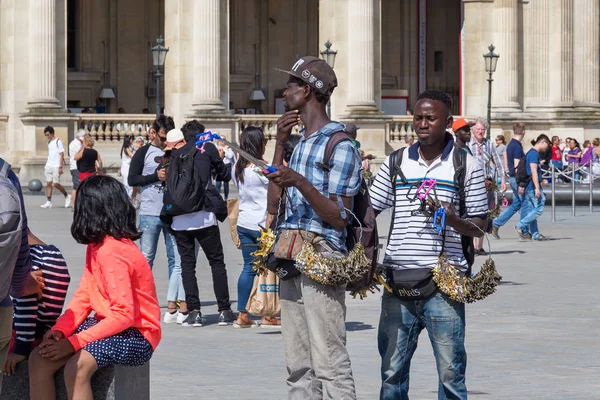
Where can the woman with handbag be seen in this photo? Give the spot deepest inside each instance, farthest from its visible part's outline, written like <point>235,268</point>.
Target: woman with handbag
<point>252,186</point>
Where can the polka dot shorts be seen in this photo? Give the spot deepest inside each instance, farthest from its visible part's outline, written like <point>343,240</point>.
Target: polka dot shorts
<point>129,347</point>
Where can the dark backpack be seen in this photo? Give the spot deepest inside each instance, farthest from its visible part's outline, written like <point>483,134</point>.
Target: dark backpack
<point>521,175</point>
<point>364,212</point>
<point>459,159</point>
<point>185,192</point>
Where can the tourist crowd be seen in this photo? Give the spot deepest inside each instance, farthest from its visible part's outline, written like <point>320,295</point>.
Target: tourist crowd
<point>170,187</point>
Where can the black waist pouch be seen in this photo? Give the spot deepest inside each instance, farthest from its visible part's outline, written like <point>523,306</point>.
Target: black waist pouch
<point>285,269</point>
<point>412,284</point>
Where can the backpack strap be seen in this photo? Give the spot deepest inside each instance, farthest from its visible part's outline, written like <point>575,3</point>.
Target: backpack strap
<point>334,140</point>
<point>4,168</point>
<point>459,159</point>
<point>395,166</point>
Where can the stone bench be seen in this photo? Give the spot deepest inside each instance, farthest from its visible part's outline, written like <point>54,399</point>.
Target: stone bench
<point>109,383</point>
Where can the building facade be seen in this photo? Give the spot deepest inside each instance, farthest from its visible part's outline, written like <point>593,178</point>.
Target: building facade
<point>56,56</point>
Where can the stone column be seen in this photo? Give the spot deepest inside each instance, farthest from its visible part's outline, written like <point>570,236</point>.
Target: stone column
<point>586,52</point>
<point>42,55</point>
<point>362,43</point>
<point>560,55</point>
<point>537,53</point>
<point>505,91</point>
<point>206,57</point>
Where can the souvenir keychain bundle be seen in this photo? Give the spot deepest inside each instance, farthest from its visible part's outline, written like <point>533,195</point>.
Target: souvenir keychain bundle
<point>449,280</point>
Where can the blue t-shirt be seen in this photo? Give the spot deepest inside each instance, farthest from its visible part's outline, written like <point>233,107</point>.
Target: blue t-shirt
<point>533,157</point>
<point>514,150</point>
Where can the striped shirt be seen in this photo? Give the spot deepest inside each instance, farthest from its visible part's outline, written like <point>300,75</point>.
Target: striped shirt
<point>34,317</point>
<point>343,179</point>
<point>485,153</point>
<point>413,243</point>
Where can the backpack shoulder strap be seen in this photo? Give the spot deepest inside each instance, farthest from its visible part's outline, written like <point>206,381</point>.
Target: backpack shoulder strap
<point>4,168</point>
<point>333,141</point>
<point>459,159</point>
<point>396,165</point>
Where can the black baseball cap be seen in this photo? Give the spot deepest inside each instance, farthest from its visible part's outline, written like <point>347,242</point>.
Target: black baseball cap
<point>315,72</point>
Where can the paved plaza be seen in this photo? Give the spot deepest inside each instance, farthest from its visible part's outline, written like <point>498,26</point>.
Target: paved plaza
<point>536,338</point>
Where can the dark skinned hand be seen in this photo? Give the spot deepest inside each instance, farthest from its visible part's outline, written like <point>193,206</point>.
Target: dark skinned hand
<point>51,337</point>
<point>35,284</point>
<point>449,208</point>
<point>57,350</point>
<point>285,124</point>
<point>11,363</point>
<point>284,177</point>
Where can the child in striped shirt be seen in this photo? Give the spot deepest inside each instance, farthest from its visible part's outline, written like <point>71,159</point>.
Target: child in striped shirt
<point>33,317</point>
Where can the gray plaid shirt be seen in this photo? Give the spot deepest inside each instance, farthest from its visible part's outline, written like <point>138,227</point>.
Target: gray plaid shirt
<point>485,153</point>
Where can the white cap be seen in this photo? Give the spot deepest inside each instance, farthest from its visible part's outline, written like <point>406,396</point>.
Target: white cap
<point>174,137</point>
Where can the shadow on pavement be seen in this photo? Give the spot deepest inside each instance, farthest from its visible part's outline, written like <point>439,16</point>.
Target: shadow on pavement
<point>358,326</point>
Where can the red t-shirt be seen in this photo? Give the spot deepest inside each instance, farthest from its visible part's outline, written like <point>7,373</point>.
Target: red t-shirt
<point>556,154</point>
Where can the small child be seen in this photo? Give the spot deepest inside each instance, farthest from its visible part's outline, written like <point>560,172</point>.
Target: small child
<point>117,284</point>
<point>33,317</point>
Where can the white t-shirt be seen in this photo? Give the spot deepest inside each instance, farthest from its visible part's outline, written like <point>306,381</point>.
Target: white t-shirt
<point>194,221</point>
<point>74,148</point>
<point>229,156</point>
<point>55,147</point>
<point>253,199</point>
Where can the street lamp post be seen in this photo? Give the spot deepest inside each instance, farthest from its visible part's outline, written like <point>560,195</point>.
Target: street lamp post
<point>159,53</point>
<point>491,60</point>
<point>329,56</point>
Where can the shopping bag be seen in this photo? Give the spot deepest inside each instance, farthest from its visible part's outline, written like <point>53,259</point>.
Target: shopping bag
<point>264,297</point>
<point>233,212</point>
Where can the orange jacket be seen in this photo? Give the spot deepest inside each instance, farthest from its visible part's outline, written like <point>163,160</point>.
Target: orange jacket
<point>118,285</point>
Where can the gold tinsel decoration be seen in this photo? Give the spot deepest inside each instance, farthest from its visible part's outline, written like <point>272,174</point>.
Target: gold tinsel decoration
<point>266,241</point>
<point>484,282</point>
<point>329,270</point>
<point>449,280</point>
<point>466,289</point>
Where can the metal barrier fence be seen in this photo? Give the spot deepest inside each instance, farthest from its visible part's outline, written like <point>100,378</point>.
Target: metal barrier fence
<point>574,173</point>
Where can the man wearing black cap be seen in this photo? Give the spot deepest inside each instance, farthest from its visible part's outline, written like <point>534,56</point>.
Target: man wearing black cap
<point>312,314</point>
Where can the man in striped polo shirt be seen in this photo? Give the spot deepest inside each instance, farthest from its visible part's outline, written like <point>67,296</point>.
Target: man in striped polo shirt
<point>415,244</point>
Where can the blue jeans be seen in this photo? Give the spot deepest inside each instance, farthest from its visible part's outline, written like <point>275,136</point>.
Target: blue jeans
<point>400,324</point>
<point>225,188</point>
<point>516,205</point>
<point>151,228</point>
<point>536,208</point>
<point>249,240</point>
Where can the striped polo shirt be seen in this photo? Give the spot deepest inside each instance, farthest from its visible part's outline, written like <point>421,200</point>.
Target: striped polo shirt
<point>413,241</point>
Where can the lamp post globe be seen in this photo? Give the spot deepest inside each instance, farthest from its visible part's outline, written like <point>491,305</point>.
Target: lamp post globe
<point>329,56</point>
<point>491,61</point>
<point>159,54</point>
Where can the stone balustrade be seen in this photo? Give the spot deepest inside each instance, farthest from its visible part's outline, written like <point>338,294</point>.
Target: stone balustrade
<point>113,127</point>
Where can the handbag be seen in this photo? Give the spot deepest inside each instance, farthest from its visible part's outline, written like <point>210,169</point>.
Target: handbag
<point>233,212</point>
<point>264,297</point>
<point>411,284</point>
<point>290,241</point>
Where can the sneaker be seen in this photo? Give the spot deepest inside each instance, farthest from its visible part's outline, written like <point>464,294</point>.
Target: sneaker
<point>68,201</point>
<point>226,318</point>
<point>171,318</point>
<point>520,232</point>
<point>541,238</point>
<point>181,317</point>
<point>194,318</point>
<point>47,204</point>
<point>480,252</point>
<point>495,233</point>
